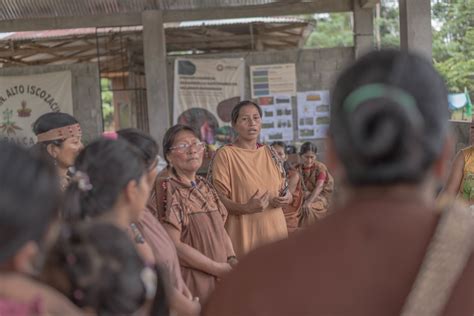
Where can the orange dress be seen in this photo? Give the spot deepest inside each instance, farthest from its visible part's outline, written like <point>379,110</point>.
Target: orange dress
<point>238,173</point>
<point>309,178</point>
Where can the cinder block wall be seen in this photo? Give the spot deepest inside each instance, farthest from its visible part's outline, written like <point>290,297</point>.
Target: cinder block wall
<point>85,92</point>
<point>316,69</point>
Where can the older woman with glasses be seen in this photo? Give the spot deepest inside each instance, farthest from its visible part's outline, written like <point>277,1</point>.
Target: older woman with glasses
<point>192,213</point>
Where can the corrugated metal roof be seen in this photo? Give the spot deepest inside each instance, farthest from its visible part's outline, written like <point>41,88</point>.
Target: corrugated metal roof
<point>24,9</point>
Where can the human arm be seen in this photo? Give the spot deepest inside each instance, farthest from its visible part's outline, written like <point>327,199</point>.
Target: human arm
<point>257,203</point>
<point>193,258</point>
<point>455,177</point>
<point>306,207</point>
<point>184,305</point>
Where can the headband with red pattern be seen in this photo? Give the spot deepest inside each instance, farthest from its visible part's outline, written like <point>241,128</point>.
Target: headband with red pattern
<point>73,130</point>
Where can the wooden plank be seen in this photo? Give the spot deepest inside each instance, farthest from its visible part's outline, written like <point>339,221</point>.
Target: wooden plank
<point>116,20</point>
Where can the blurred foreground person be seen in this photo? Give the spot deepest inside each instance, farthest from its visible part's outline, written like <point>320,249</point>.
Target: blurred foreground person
<point>97,266</point>
<point>152,232</point>
<point>29,202</point>
<point>389,248</point>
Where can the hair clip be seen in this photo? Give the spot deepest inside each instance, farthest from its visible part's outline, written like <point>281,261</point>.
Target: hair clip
<point>82,180</point>
<point>149,280</point>
<point>110,135</point>
<point>138,235</point>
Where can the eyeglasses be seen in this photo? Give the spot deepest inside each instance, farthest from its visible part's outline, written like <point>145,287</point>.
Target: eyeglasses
<point>199,146</point>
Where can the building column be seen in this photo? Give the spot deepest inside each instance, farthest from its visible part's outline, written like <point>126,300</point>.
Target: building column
<point>415,27</point>
<point>363,29</point>
<point>154,53</point>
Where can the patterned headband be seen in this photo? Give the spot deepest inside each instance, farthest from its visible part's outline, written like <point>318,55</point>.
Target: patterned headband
<point>73,130</point>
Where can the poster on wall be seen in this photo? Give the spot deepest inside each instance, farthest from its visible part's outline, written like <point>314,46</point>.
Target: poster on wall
<point>25,98</point>
<point>273,79</point>
<point>277,118</point>
<point>313,114</point>
<point>205,91</point>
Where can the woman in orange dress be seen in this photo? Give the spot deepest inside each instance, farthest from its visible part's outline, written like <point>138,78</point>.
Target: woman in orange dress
<point>251,182</point>
<point>317,185</point>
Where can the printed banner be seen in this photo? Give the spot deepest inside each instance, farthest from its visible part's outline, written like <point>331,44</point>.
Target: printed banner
<point>205,91</point>
<point>313,114</point>
<point>25,98</point>
<point>277,118</point>
<point>273,79</point>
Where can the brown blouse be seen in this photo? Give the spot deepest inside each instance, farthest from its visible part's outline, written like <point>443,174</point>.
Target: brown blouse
<point>198,214</point>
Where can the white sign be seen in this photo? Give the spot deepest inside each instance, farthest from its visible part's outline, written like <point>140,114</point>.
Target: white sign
<point>205,91</point>
<point>313,114</point>
<point>24,98</point>
<point>273,79</point>
<point>277,118</point>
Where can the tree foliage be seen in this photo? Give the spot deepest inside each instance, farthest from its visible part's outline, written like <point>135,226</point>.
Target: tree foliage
<point>453,37</point>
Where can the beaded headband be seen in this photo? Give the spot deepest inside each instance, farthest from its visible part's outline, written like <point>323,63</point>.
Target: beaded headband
<point>73,130</point>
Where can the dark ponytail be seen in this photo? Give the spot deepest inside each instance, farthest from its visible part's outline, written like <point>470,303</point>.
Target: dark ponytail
<point>102,170</point>
<point>96,265</point>
<point>147,146</point>
<point>388,118</point>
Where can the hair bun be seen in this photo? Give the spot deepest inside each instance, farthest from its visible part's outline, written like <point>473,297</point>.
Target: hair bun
<point>384,135</point>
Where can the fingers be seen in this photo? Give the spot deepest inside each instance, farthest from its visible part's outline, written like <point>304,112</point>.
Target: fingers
<point>255,194</point>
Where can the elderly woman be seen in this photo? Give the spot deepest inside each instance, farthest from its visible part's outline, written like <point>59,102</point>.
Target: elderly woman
<point>317,185</point>
<point>192,214</point>
<point>59,137</point>
<point>389,248</point>
<point>251,182</point>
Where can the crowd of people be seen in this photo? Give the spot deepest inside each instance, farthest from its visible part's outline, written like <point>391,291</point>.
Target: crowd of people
<point>99,230</point>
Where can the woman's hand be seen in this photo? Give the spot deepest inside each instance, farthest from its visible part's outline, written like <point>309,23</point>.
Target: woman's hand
<point>281,201</point>
<point>221,269</point>
<point>258,202</point>
<point>306,207</point>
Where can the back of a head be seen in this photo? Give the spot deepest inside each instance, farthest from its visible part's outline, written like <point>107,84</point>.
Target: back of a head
<point>147,146</point>
<point>389,118</point>
<point>100,267</point>
<point>29,198</point>
<point>102,170</point>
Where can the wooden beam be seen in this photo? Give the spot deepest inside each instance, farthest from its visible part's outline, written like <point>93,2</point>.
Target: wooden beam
<point>116,20</point>
<point>368,4</point>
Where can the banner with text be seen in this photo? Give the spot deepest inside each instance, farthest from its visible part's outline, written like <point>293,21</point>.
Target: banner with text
<point>24,98</point>
<point>205,91</point>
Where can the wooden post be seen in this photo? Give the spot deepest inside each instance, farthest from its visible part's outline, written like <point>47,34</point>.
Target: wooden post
<point>154,51</point>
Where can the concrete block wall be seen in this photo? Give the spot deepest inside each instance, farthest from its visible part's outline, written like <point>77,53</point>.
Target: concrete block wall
<point>85,93</point>
<point>316,69</point>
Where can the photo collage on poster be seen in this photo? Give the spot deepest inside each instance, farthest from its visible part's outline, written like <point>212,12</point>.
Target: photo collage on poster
<point>313,114</point>
<point>277,118</point>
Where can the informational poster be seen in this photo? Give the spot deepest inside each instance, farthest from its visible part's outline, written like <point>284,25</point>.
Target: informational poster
<point>277,118</point>
<point>205,91</point>
<point>25,98</point>
<point>273,79</point>
<point>313,114</point>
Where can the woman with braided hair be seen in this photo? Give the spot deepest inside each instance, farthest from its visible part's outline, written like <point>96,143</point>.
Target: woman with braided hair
<point>389,248</point>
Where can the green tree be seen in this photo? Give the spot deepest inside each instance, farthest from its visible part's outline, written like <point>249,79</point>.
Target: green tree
<point>107,104</point>
<point>332,30</point>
